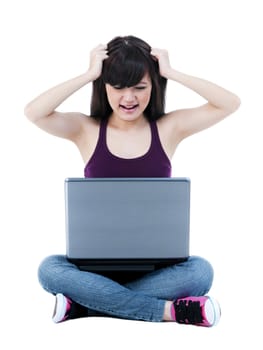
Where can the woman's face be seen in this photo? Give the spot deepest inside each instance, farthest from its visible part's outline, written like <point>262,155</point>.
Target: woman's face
<point>129,103</point>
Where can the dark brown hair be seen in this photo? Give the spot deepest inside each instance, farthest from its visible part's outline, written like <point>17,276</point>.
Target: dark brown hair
<point>129,60</point>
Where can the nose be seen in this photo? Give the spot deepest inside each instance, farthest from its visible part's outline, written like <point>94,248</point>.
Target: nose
<point>128,95</point>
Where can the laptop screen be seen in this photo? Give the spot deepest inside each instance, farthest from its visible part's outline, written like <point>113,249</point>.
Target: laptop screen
<point>127,219</point>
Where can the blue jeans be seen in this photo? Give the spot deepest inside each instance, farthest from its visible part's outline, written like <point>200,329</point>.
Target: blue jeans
<point>140,299</point>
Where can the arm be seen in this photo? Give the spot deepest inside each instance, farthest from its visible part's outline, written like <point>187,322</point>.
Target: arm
<point>220,102</point>
<point>42,110</point>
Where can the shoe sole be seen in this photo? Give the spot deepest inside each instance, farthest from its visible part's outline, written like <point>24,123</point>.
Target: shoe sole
<point>60,308</point>
<point>212,309</point>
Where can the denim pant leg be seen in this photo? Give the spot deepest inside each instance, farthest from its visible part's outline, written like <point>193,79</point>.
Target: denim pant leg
<point>57,275</point>
<point>190,278</point>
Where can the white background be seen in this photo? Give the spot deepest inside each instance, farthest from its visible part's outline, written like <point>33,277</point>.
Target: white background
<point>46,42</point>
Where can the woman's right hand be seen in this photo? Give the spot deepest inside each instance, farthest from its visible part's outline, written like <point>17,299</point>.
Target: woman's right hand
<point>42,109</point>
<point>97,56</point>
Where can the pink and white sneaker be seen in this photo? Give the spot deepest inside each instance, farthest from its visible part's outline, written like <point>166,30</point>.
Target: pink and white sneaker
<point>62,308</point>
<point>200,311</point>
<point>67,309</point>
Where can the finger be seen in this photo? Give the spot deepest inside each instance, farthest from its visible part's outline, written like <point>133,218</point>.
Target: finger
<point>154,55</point>
<point>101,46</point>
<point>100,49</point>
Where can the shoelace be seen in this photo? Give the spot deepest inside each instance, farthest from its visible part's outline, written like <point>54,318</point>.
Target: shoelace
<point>188,311</point>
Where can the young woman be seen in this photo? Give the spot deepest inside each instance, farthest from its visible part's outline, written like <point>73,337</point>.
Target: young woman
<point>128,134</point>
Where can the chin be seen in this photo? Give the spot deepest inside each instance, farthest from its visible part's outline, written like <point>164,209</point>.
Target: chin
<point>130,117</point>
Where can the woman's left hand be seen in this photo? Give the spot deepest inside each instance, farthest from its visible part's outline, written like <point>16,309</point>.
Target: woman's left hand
<point>163,61</point>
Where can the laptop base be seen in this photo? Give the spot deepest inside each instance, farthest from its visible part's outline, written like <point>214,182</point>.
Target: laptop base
<point>125,265</point>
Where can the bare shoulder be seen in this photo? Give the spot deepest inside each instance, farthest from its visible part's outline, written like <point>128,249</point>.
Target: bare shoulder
<point>175,126</point>
<point>88,136</point>
<point>169,132</point>
<point>168,123</point>
<point>89,126</point>
<point>88,131</point>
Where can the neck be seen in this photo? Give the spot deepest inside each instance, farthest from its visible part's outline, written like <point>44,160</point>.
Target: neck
<point>126,125</point>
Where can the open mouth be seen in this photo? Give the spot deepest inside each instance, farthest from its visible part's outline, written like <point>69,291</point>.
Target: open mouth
<point>129,108</point>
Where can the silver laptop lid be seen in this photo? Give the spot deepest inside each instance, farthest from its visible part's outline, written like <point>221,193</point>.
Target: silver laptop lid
<point>127,218</point>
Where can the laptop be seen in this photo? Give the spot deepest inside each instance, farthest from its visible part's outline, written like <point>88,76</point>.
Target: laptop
<point>127,224</point>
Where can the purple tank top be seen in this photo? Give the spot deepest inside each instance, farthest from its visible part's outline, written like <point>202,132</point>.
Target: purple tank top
<point>154,163</point>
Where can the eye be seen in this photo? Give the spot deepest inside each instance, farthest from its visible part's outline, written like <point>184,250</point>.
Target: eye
<point>117,87</point>
<point>140,87</point>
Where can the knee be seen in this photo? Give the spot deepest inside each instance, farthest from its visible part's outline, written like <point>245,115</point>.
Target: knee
<point>49,269</point>
<point>50,263</point>
<point>204,273</point>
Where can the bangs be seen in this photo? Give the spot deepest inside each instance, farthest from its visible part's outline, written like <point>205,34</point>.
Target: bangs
<point>124,69</point>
